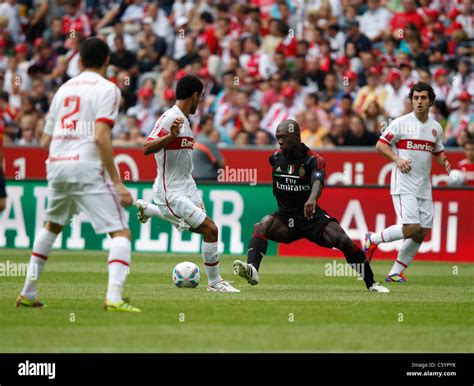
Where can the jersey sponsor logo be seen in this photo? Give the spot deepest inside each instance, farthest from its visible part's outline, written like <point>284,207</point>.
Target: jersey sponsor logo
<point>292,188</point>
<point>291,169</point>
<point>413,144</point>
<point>181,143</point>
<point>278,169</point>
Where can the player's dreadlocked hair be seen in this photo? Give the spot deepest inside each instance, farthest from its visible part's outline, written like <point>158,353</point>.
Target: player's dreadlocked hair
<point>94,53</point>
<point>420,86</point>
<point>187,86</point>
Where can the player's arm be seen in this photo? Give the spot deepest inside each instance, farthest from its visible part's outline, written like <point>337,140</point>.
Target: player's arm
<point>156,145</point>
<point>103,141</point>
<point>317,183</point>
<point>443,162</point>
<point>45,141</point>
<point>403,164</point>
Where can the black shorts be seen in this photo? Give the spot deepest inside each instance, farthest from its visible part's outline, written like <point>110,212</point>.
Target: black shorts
<point>3,192</point>
<point>301,228</point>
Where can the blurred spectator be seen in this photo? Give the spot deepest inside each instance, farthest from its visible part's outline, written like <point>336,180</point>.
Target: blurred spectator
<point>207,158</point>
<point>122,59</point>
<point>145,111</point>
<point>409,16</point>
<point>467,165</point>
<point>360,41</point>
<point>373,91</point>
<point>280,111</point>
<point>263,138</point>
<point>27,127</point>
<point>358,133</point>
<point>459,120</point>
<point>75,22</point>
<point>339,132</point>
<point>396,94</point>
<point>374,21</point>
<point>10,16</point>
<point>375,118</point>
<point>312,132</point>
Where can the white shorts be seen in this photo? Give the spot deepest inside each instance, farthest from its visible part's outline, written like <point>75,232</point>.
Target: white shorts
<point>413,210</point>
<point>184,212</point>
<point>99,201</point>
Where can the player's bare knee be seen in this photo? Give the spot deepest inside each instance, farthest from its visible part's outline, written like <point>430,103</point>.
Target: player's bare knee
<point>411,230</point>
<point>2,204</point>
<point>211,232</point>
<point>122,233</point>
<point>53,227</point>
<point>259,229</point>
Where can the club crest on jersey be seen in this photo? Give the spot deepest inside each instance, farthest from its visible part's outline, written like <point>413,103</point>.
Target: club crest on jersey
<point>434,132</point>
<point>302,171</point>
<point>291,169</point>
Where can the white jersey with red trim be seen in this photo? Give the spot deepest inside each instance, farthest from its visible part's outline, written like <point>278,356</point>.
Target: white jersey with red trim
<point>76,107</point>
<point>174,162</point>
<point>414,141</point>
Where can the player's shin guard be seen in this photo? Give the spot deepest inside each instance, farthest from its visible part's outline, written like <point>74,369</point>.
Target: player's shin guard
<point>257,249</point>
<point>356,259</point>
<point>211,262</point>
<point>120,256</point>
<point>389,234</point>
<point>405,256</point>
<point>41,248</point>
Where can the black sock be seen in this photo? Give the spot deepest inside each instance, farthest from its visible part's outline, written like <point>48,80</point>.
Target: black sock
<point>357,260</point>
<point>257,249</point>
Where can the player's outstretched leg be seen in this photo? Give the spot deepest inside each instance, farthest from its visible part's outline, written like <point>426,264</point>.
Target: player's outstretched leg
<point>392,233</point>
<point>406,253</point>
<point>210,254</point>
<point>334,236</point>
<point>269,228</point>
<point>145,210</point>
<point>41,248</point>
<point>120,257</point>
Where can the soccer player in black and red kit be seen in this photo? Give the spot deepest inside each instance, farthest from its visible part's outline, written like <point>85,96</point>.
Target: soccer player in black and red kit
<point>298,180</point>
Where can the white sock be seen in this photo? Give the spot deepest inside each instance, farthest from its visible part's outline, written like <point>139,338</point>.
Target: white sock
<point>211,262</point>
<point>391,233</point>
<point>120,257</point>
<point>152,210</point>
<point>405,256</point>
<point>41,247</point>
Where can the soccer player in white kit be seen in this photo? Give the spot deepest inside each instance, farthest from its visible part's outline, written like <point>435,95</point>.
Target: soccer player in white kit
<point>175,195</point>
<point>81,173</point>
<point>410,141</point>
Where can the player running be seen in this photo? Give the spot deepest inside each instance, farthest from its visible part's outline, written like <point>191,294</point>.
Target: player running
<point>298,180</point>
<point>409,141</point>
<point>78,135</point>
<point>175,195</point>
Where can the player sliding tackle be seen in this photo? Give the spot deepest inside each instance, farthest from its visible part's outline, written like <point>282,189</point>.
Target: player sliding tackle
<point>409,141</point>
<point>175,194</point>
<point>75,173</point>
<point>298,180</point>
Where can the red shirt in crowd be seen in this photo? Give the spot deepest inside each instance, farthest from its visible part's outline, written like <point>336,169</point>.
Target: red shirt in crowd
<point>401,20</point>
<point>468,169</point>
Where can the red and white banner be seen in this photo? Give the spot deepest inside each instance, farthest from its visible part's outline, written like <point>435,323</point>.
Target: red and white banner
<point>342,167</point>
<point>370,209</point>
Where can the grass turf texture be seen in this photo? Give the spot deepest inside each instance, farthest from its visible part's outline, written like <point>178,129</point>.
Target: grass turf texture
<point>331,314</point>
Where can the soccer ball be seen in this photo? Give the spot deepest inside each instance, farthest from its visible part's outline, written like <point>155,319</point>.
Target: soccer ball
<point>456,178</point>
<point>186,275</point>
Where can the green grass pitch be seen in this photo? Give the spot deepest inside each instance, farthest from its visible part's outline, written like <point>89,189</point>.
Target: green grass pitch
<point>295,308</point>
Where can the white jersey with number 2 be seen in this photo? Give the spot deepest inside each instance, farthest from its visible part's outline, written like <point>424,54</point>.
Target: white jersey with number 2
<point>415,141</point>
<point>77,106</point>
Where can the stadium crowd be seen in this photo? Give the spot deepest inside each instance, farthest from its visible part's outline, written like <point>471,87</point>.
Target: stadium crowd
<point>342,68</point>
